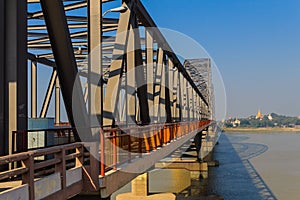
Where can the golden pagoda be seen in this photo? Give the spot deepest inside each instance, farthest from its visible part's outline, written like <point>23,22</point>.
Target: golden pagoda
<point>259,115</point>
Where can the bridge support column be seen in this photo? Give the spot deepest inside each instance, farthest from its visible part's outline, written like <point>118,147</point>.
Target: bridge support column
<point>195,168</point>
<point>2,64</point>
<point>198,142</point>
<point>140,191</point>
<point>13,71</point>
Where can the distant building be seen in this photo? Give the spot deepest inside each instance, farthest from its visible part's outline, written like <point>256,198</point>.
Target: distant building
<point>270,117</point>
<point>236,123</point>
<point>259,115</point>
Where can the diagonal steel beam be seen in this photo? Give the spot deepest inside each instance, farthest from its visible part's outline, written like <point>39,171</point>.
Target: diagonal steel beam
<point>43,61</point>
<point>59,35</point>
<point>48,95</point>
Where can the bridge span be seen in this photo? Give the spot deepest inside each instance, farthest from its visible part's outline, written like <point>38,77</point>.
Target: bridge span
<point>128,99</point>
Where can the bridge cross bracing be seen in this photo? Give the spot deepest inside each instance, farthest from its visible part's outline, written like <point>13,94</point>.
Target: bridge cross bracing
<point>130,87</point>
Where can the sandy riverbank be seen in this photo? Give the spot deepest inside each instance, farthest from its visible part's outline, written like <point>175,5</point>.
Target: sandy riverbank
<point>261,129</point>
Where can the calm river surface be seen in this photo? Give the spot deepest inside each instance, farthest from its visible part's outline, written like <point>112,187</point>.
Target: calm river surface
<point>257,166</point>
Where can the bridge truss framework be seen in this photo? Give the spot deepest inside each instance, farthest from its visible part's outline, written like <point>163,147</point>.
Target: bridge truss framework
<point>73,39</point>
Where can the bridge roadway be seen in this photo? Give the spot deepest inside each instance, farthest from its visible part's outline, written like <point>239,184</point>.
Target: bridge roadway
<point>61,172</point>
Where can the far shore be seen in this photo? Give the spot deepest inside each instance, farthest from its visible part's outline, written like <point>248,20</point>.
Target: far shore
<point>261,129</point>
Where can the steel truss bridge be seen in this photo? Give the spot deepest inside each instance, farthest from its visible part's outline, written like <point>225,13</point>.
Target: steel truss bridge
<point>128,98</point>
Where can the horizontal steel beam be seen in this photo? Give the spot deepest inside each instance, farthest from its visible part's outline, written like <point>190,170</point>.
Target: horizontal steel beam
<point>66,8</point>
<point>43,61</point>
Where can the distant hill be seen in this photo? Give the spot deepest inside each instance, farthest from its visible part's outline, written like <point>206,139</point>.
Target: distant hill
<point>272,120</point>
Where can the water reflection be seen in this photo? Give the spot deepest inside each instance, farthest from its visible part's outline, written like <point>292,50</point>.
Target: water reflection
<point>236,178</point>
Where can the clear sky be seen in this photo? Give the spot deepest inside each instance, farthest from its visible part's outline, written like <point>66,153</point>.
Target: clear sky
<point>255,43</point>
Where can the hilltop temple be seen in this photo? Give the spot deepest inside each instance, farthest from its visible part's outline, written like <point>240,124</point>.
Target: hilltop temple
<point>259,115</point>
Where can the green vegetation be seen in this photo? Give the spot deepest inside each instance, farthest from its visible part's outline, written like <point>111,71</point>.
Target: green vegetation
<point>274,121</point>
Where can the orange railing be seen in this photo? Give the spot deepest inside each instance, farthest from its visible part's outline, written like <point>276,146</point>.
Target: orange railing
<point>122,145</point>
<point>119,145</point>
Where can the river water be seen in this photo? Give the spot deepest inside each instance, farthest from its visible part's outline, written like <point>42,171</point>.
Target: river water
<point>257,166</point>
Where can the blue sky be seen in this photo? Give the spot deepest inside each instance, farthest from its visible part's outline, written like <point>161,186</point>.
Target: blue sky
<point>255,43</point>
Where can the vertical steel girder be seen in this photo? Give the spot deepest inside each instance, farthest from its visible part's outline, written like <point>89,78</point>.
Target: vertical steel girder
<point>157,83</point>
<point>130,75</point>
<point>94,66</point>
<point>167,98</point>
<point>189,100</point>
<point>60,40</point>
<point>162,94</point>
<point>149,71</point>
<point>13,70</point>
<point>180,97</point>
<point>175,96</point>
<point>57,101</point>
<point>140,76</point>
<point>2,81</point>
<point>116,68</point>
<point>183,102</point>
<point>171,88</point>
<point>135,71</point>
<point>33,89</point>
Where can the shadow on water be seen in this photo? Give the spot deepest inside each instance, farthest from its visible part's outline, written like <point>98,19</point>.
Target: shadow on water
<point>236,178</point>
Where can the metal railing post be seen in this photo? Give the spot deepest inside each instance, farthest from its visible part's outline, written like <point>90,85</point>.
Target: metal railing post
<point>114,150</point>
<point>28,178</point>
<point>102,153</point>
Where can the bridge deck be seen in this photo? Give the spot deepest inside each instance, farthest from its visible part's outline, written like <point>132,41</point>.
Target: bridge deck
<point>64,171</point>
